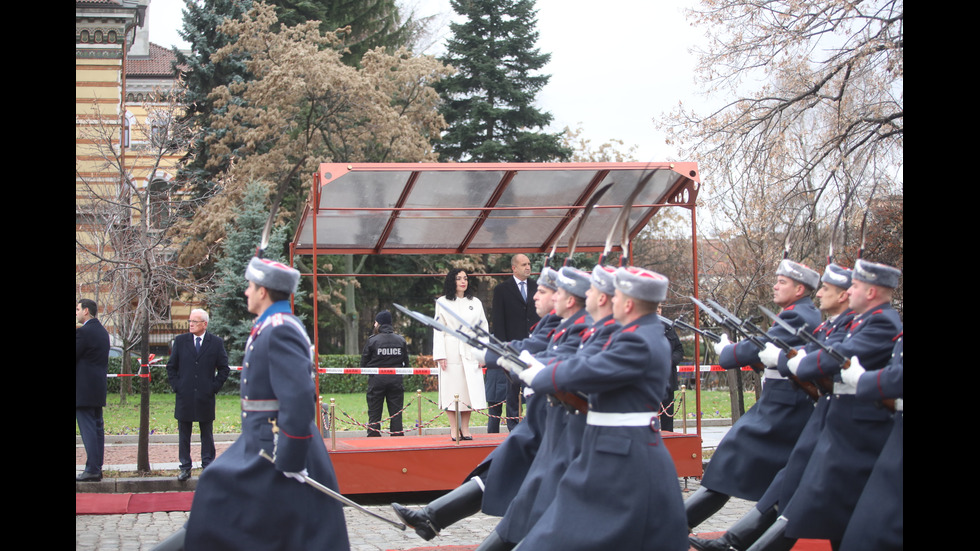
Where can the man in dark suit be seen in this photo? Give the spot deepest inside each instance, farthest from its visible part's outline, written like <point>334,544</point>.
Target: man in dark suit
<point>512,315</point>
<point>197,368</point>
<point>91,368</point>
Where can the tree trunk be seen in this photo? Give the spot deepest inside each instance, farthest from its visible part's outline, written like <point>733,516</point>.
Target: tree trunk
<point>735,389</point>
<point>143,450</point>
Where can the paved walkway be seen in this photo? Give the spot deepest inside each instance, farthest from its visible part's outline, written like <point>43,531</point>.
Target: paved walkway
<point>141,532</point>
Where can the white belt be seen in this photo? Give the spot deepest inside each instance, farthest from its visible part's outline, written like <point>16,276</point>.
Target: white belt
<point>603,419</point>
<point>844,388</point>
<point>260,405</point>
<point>898,404</point>
<point>773,373</point>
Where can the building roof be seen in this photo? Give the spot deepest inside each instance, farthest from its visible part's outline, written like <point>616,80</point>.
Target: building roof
<point>159,63</point>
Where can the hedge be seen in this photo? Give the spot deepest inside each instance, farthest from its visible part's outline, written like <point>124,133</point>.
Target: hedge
<point>329,384</point>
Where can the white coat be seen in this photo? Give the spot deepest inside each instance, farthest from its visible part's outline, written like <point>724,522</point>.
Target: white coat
<point>462,374</point>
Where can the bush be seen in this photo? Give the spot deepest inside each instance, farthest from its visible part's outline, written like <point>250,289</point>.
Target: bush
<point>329,384</point>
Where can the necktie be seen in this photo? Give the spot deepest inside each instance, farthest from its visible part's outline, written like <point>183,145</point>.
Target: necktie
<point>197,344</point>
<point>523,291</point>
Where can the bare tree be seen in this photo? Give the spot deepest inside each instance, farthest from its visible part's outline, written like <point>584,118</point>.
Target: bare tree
<point>124,246</point>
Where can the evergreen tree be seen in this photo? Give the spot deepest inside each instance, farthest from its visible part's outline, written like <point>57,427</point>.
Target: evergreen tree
<point>200,76</point>
<point>229,313</point>
<point>373,23</point>
<point>488,104</point>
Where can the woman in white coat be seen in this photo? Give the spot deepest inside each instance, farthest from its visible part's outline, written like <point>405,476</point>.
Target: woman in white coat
<point>460,371</point>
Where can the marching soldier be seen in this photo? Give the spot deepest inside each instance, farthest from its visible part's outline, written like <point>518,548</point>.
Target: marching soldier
<point>833,299</point>
<point>492,485</point>
<point>759,444</point>
<point>878,519</point>
<point>855,430</point>
<point>621,491</point>
<point>564,426</point>
<point>242,500</point>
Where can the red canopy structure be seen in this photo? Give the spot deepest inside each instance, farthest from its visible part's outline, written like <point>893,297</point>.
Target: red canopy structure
<point>475,208</point>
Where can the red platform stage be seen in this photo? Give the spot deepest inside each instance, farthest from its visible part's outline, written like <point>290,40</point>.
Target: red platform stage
<point>427,463</point>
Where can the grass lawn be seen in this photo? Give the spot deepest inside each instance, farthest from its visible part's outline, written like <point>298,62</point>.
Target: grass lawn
<point>351,409</point>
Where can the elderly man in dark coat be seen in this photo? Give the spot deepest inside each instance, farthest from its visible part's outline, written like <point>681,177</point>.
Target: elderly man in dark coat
<point>197,368</point>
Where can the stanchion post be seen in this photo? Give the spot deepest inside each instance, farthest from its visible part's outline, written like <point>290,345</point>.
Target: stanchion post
<point>418,398</point>
<point>684,406</point>
<point>333,424</point>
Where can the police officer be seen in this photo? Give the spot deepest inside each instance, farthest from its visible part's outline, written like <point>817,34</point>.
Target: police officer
<point>759,444</point>
<point>385,349</point>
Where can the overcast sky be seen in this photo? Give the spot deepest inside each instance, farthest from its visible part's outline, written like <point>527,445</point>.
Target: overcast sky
<point>615,64</point>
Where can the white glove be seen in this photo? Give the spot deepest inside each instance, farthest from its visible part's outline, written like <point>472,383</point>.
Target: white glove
<point>720,345</point>
<point>301,476</point>
<point>480,355</point>
<point>534,367</point>
<point>509,364</point>
<point>853,372</point>
<point>794,362</point>
<point>769,355</point>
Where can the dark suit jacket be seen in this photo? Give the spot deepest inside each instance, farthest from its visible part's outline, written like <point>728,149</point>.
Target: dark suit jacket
<point>512,318</point>
<point>196,378</point>
<point>91,364</point>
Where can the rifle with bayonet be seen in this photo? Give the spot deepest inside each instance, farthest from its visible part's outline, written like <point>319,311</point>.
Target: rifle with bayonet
<point>679,323</point>
<point>512,361</point>
<point>750,331</point>
<point>825,383</point>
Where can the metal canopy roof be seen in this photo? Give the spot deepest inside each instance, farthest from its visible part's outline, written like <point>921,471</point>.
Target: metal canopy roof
<point>457,208</point>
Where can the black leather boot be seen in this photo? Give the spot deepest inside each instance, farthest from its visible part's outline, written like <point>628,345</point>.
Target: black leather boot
<point>494,543</point>
<point>774,539</point>
<point>741,534</point>
<point>701,505</point>
<point>458,504</point>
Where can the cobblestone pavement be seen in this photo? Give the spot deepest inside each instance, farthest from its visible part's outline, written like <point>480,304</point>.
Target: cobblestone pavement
<point>143,531</point>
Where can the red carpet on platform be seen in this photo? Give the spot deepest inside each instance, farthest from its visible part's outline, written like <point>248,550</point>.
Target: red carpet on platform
<point>131,504</point>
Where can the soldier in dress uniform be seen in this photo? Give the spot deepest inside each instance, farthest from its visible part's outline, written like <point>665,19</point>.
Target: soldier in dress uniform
<point>878,519</point>
<point>855,430</point>
<point>564,425</point>
<point>495,481</point>
<point>833,302</point>
<point>759,444</point>
<point>621,491</point>
<point>242,500</point>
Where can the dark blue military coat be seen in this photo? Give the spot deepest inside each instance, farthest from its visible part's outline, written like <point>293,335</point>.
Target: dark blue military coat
<point>504,468</point>
<point>878,518</point>
<point>782,487</point>
<point>621,491</point>
<point>852,437</point>
<point>564,427</point>
<point>243,501</point>
<point>758,445</point>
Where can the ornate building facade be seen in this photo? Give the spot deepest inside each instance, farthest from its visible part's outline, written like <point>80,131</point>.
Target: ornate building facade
<point>126,154</point>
